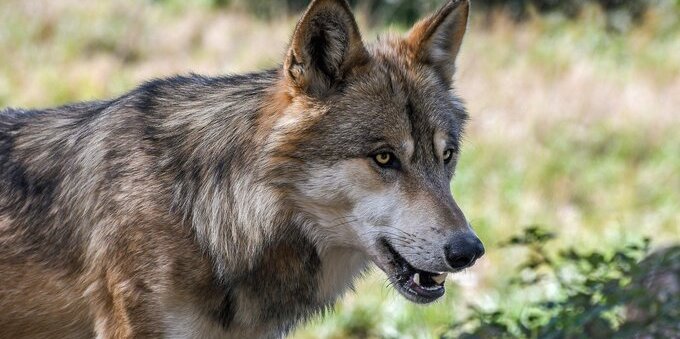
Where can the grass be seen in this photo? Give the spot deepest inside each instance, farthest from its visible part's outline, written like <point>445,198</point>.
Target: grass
<point>572,127</point>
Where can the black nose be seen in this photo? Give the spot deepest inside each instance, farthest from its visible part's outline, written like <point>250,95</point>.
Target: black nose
<point>463,250</point>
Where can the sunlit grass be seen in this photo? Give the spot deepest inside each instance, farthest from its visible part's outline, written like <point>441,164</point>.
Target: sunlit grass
<point>572,128</point>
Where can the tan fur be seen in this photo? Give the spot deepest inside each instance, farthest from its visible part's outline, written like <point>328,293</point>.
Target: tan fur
<point>437,39</point>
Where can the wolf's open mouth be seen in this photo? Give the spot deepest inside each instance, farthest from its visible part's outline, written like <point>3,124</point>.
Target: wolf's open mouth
<point>414,284</point>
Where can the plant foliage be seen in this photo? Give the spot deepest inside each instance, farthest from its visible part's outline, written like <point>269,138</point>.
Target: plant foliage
<point>601,294</point>
<point>408,11</point>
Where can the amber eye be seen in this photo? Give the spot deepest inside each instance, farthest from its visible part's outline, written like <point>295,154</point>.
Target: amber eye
<point>386,160</point>
<point>383,158</point>
<point>448,155</point>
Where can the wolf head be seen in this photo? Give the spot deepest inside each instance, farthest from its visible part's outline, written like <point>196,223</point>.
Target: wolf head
<point>370,138</point>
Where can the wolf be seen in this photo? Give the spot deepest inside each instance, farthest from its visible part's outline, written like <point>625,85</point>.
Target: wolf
<point>239,206</point>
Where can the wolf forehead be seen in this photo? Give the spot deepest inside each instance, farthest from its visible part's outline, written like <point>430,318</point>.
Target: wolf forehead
<point>390,100</point>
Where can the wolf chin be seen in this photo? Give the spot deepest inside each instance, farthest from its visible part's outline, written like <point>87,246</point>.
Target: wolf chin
<point>239,206</point>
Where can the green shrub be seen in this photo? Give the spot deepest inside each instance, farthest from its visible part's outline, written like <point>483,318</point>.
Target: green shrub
<point>408,11</point>
<point>570,8</point>
<point>601,294</point>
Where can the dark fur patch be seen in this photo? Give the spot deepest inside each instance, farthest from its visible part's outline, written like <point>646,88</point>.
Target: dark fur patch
<point>226,312</point>
<point>285,280</point>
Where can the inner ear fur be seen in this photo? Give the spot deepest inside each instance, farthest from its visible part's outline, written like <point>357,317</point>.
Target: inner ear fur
<point>436,40</point>
<point>325,47</point>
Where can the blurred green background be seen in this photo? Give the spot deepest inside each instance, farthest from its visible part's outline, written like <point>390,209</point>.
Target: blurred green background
<point>575,109</point>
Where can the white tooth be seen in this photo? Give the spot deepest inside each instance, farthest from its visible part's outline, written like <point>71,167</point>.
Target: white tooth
<point>439,279</point>
<point>416,279</point>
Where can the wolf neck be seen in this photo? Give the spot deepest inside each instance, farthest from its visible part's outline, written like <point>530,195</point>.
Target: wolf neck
<point>230,195</point>
<point>207,150</point>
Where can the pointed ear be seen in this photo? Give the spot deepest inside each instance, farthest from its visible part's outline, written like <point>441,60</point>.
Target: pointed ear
<point>325,47</point>
<point>436,40</point>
